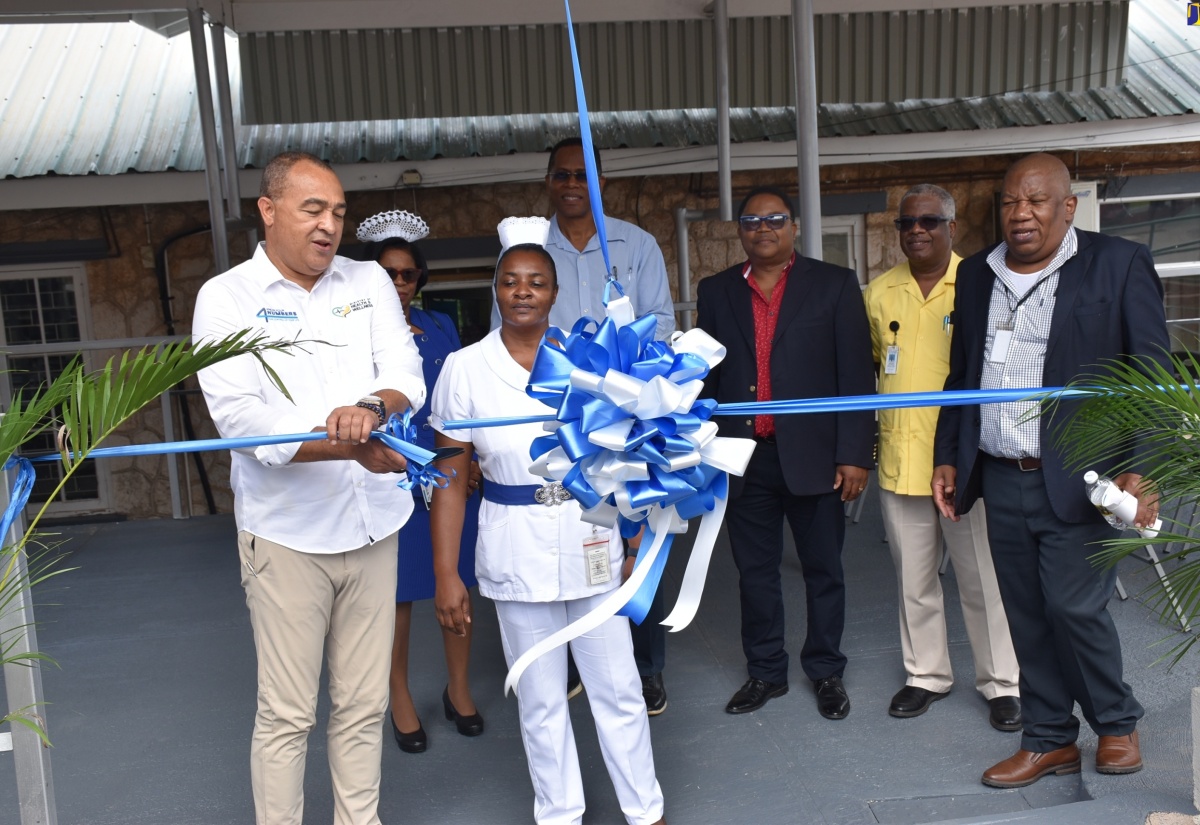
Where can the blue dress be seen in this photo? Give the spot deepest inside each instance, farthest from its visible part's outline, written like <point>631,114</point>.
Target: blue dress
<point>414,579</point>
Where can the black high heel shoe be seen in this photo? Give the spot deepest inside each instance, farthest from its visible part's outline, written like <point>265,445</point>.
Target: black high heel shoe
<point>467,725</point>
<point>415,742</point>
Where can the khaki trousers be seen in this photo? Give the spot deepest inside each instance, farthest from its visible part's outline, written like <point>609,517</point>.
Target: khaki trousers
<point>915,531</point>
<point>303,607</point>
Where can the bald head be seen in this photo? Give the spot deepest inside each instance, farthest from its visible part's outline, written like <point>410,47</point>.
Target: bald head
<point>1036,210</point>
<point>1049,168</point>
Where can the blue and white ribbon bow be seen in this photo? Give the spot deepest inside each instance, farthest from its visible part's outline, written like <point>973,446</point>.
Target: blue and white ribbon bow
<point>633,443</point>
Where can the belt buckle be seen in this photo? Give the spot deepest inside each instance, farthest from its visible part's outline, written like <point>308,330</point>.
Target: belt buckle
<point>552,494</point>
<point>1021,464</point>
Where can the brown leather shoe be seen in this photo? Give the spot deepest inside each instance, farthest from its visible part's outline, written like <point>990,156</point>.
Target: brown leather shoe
<point>1119,754</point>
<point>1026,767</point>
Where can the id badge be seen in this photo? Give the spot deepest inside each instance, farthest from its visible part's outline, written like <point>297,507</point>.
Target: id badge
<point>892,360</point>
<point>595,553</point>
<point>1000,344</point>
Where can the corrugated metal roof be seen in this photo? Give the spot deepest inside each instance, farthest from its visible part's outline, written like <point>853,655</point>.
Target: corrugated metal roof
<point>103,98</point>
<point>476,71</point>
<point>125,100</point>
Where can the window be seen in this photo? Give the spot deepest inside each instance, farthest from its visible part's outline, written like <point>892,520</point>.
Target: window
<point>1170,226</point>
<point>844,242</point>
<point>42,307</point>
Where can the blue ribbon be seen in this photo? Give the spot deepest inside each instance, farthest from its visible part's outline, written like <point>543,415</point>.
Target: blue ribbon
<point>888,401</point>
<point>589,156</point>
<point>399,433</point>
<point>19,496</point>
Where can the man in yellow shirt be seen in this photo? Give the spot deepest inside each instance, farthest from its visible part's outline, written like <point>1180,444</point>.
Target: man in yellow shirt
<point>910,308</point>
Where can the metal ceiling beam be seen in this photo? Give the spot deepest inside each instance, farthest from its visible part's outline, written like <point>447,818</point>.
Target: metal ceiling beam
<point>245,16</point>
<point>63,191</point>
<point>266,15</point>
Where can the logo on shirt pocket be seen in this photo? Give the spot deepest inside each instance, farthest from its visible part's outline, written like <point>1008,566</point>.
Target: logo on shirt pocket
<point>345,309</point>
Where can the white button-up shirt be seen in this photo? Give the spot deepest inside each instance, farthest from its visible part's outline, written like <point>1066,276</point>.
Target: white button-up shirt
<point>356,343</point>
<point>532,552</point>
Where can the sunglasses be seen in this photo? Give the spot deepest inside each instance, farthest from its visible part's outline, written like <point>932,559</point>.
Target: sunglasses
<point>926,222</point>
<point>410,276</point>
<point>562,175</point>
<point>751,223</point>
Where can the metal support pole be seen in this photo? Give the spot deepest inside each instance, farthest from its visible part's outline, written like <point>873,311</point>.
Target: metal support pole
<point>724,171</point>
<point>208,127</point>
<point>233,197</point>
<point>23,684</point>
<point>686,304</point>
<point>168,415</point>
<point>808,171</point>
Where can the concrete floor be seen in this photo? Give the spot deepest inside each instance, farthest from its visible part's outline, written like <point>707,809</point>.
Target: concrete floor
<point>153,701</point>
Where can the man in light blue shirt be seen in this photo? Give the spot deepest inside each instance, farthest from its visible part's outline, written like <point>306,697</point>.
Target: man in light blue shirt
<point>575,248</point>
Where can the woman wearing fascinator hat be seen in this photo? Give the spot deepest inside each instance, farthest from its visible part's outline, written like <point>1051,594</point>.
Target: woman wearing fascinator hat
<point>392,242</point>
<point>536,558</point>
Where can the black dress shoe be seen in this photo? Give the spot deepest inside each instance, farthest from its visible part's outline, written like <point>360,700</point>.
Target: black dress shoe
<point>913,701</point>
<point>1005,713</point>
<point>754,694</point>
<point>415,742</point>
<point>655,694</point>
<point>467,725</point>
<point>832,700</point>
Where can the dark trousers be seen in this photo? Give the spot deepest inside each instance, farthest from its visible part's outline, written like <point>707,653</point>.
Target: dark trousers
<point>1056,600</point>
<point>650,638</point>
<point>755,522</point>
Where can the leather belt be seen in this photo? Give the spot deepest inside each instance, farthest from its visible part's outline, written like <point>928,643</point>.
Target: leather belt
<point>1026,465</point>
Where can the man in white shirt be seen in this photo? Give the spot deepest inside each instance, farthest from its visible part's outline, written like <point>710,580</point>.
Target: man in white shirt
<point>317,521</point>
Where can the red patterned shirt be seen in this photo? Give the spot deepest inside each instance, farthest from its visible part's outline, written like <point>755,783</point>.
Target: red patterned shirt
<point>766,316</point>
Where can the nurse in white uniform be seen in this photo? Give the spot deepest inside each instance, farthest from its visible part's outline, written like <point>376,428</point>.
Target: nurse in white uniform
<point>540,563</point>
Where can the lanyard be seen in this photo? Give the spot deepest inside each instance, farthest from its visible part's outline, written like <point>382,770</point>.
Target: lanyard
<point>1008,293</point>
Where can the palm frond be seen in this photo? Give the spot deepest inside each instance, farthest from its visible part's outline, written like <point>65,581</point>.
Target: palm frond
<point>91,407</point>
<point>25,716</point>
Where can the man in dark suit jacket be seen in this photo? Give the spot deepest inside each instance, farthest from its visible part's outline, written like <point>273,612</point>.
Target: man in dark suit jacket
<point>794,328</point>
<point>1040,309</point>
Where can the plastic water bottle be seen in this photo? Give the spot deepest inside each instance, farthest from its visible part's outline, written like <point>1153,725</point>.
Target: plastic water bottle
<point>1118,507</point>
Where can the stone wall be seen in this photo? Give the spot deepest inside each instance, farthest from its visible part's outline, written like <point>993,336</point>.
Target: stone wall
<point>125,299</point>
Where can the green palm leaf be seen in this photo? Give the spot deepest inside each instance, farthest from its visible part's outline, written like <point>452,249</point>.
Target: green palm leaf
<point>90,406</point>
<point>1146,418</point>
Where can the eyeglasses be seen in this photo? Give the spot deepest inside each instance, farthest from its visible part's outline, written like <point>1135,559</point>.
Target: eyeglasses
<point>562,175</point>
<point>926,222</point>
<point>751,223</point>
<point>410,276</point>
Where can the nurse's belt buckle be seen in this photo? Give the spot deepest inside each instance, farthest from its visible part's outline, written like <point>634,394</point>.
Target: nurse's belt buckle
<point>552,494</point>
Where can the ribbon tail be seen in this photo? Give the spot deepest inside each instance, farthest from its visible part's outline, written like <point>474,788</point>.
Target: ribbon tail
<point>19,496</point>
<point>696,574</point>
<point>603,612</point>
<point>639,605</point>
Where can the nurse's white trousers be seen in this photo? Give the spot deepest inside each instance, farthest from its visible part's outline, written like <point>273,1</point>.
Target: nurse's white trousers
<point>614,690</point>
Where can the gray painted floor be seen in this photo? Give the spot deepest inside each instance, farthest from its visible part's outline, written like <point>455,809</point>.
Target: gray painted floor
<point>153,701</point>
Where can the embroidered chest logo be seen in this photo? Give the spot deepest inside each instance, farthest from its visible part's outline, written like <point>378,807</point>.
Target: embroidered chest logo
<point>345,309</point>
<point>268,315</point>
